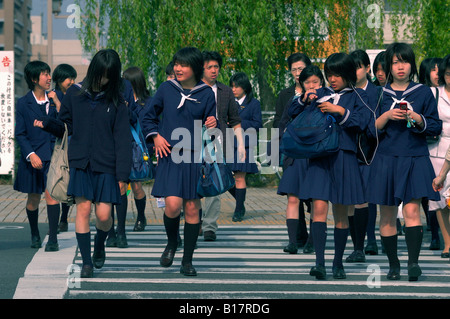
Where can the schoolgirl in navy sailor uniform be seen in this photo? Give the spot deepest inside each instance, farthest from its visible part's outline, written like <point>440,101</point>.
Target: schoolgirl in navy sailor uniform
<point>359,217</point>
<point>294,170</point>
<point>63,76</point>
<point>335,178</point>
<point>183,103</point>
<point>36,147</point>
<point>251,122</point>
<point>139,107</point>
<point>401,171</point>
<point>97,119</point>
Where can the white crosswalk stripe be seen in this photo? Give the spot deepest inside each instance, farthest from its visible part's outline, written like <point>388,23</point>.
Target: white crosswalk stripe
<point>248,262</point>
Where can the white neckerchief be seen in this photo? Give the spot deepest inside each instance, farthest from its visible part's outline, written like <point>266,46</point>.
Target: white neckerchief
<point>335,96</point>
<point>185,97</point>
<point>404,95</point>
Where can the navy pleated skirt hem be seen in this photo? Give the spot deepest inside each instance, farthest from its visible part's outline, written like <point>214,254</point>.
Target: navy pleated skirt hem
<point>400,179</point>
<point>176,179</point>
<point>94,186</point>
<point>30,180</point>
<point>248,166</point>
<point>335,178</point>
<point>293,178</point>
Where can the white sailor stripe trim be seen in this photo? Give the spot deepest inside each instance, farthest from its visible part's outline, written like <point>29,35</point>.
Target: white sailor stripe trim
<point>346,116</point>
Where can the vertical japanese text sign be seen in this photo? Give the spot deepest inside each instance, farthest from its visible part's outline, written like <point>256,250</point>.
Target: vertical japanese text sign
<point>7,112</point>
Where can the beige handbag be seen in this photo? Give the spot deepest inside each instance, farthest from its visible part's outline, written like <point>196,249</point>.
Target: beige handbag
<point>58,173</point>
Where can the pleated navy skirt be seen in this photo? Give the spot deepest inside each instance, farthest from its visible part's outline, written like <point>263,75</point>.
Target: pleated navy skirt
<point>94,186</point>
<point>399,179</point>
<point>335,178</point>
<point>293,178</point>
<point>30,180</point>
<point>248,166</point>
<point>176,179</point>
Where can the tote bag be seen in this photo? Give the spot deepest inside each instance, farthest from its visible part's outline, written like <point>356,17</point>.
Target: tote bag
<point>215,178</point>
<point>58,173</point>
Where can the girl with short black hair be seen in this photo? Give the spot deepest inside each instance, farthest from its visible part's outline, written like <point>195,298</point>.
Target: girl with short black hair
<point>294,171</point>
<point>63,76</point>
<point>183,102</point>
<point>402,172</point>
<point>335,178</point>
<point>36,147</point>
<point>251,122</point>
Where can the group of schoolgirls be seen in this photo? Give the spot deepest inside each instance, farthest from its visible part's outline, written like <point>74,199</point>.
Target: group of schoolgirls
<point>97,113</point>
<point>398,116</point>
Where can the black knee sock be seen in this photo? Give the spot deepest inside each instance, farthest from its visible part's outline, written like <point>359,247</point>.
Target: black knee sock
<point>99,243</point>
<point>33,221</point>
<point>340,241</point>
<point>112,232</point>
<point>390,246</point>
<point>319,238</point>
<point>292,226</point>
<point>413,239</point>
<point>302,232</point>
<point>351,224</point>
<point>64,212</point>
<point>240,199</point>
<point>84,245</point>
<point>190,239</point>
<point>121,211</point>
<point>172,226</point>
<point>371,222</point>
<point>140,207</point>
<point>434,225</point>
<point>232,191</point>
<point>53,219</point>
<point>360,220</point>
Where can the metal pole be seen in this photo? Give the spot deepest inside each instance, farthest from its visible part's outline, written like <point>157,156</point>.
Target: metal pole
<point>50,34</point>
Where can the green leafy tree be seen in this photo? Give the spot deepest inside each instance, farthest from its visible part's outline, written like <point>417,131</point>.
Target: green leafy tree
<point>253,36</point>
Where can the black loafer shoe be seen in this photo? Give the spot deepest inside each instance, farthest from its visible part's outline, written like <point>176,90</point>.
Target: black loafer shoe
<point>371,248</point>
<point>188,270</point>
<point>209,235</point>
<point>445,255</point>
<point>318,271</point>
<point>167,256</point>
<point>36,242</point>
<point>111,241</point>
<point>308,249</point>
<point>357,256</point>
<point>339,273</point>
<point>63,227</point>
<point>121,241</point>
<point>87,271</point>
<point>140,225</point>
<point>52,246</point>
<point>291,248</point>
<point>98,258</point>
<point>394,273</point>
<point>236,216</point>
<point>414,272</point>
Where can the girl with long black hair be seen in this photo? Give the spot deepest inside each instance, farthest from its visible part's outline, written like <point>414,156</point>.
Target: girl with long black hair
<point>99,151</point>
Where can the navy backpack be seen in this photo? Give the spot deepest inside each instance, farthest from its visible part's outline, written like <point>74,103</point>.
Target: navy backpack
<point>311,134</point>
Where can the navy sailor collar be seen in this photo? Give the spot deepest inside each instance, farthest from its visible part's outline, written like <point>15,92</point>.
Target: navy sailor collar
<point>198,87</point>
